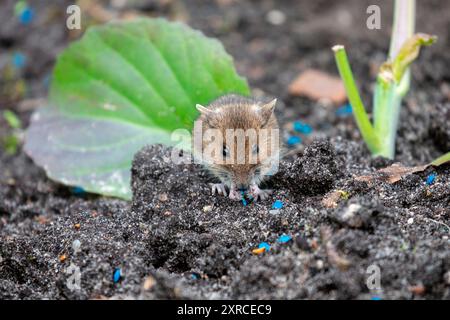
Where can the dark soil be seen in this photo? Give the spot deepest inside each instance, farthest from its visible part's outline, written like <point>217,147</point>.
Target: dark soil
<point>176,240</point>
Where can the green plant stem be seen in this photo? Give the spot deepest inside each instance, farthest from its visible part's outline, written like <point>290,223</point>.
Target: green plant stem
<point>388,95</point>
<point>403,25</point>
<point>359,111</point>
<point>387,102</point>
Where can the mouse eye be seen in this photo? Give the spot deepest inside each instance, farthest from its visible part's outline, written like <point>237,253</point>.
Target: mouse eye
<point>225,151</point>
<point>255,149</point>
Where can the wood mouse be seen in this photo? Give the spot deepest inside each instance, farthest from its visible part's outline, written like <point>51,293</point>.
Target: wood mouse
<point>245,144</point>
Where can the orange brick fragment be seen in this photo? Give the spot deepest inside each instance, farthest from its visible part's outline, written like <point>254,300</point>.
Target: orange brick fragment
<point>318,85</point>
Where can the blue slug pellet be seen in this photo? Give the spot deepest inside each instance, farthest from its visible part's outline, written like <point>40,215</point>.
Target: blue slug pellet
<point>344,110</point>
<point>117,275</point>
<point>430,179</point>
<point>293,140</point>
<point>26,16</point>
<point>278,204</point>
<point>18,60</point>
<point>302,127</point>
<point>284,238</point>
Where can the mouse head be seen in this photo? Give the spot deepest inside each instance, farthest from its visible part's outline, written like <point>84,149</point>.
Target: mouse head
<point>240,138</point>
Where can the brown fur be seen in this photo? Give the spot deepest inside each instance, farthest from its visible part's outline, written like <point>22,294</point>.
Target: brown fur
<point>236,112</point>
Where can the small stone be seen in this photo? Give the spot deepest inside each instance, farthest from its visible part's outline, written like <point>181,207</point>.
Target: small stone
<point>302,243</point>
<point>207,208</point>
<point>276,17</point>
<point>163,197</point>
<point>447,277</point>
<point>350,212</point>
<point>319,264</point>
<point>417,290</point>
<point>318,85</point>
<point>149,283</point>
<point>410,221</point>
<point>76,245</point>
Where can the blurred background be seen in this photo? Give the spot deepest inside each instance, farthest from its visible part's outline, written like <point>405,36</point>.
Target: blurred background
<point>271,41</point>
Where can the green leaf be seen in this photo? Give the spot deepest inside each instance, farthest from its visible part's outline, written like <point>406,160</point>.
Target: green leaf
<point>12,119</point>
<point>441,160</point>
<point>122,86</point>
<point>11,144</point>
<point>409,52</point>
<point>394,70</point>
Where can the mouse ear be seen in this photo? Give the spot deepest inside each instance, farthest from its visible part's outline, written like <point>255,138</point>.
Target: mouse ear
<point>203,110</point>
<point>266,110</point>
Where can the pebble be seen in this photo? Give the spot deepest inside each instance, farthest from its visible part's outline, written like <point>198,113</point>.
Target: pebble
<point>276,17</point>
<point>318,85</point>
<point>207,208</point>
<point>302,243</point>
<point>417,290</point>
<point>149,283</point>
<point>76,245</point>
<point>319,264</point>
<point>447,277</point>
<point>163,197</point>
<point>410,221</point>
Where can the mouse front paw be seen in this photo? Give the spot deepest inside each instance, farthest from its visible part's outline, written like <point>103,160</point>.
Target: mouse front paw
<point>219,188</point>
<point>235,195</point>
<point>259,194</point>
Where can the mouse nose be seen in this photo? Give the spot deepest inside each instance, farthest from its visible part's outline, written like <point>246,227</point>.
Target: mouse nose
<point>242,187</point>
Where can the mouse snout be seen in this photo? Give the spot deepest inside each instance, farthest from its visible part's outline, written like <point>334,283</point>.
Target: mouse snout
<point>242,178</point>
<point>242,186</point>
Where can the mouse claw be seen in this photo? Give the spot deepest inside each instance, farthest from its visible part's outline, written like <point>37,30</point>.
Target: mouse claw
<point>235,195</point>
<point>218,188</point>
<point>259,194</point>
